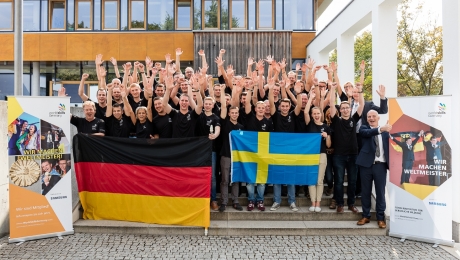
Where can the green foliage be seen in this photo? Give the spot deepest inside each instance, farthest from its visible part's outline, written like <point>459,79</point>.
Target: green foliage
<point>137,24</point>
<point>168,24</point>
<point>419,55</point>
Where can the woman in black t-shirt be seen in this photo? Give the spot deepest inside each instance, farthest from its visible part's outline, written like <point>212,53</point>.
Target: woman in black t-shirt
<point>142,121</point>
<point>317,126</point>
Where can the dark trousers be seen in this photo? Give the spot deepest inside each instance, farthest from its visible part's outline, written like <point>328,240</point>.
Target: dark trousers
<point>377,173</point>
<point>342,162</point>
<point>406,168</point>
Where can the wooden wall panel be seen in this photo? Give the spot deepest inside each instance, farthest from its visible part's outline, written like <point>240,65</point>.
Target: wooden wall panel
<point>133,46</point>
<point>53,47</point>
<point>107,44</point>
<point>300,40</point>
<point>241,45</point>
<point>7,47</point>
<point>31,47</point>
<point>79,46</point>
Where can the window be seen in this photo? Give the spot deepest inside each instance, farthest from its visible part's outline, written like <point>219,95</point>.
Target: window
<point>238,14</point>
<point>183,15</point>
<point>252,14</point>
<point>83,16</point>
<point>265,14</point>
<point>197,15</point>
<point>31,15</point>
<point>298,14</point>
<point>6,15</point>
<point>71,15</point>
<point>57,17</point>
<point>96,23</point>
<point>161,15</point>
<point>137,15</point>
<point>224,14</point>
<point>210,14</point>
<point>110,15</point>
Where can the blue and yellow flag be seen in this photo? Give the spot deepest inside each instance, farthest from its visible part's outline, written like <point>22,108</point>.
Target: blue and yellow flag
<point>275,158</point>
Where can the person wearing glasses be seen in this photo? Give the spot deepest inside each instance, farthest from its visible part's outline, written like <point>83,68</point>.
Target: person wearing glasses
<point>345,148</point>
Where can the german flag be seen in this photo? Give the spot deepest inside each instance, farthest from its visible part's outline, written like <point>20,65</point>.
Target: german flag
<point>162,181</point>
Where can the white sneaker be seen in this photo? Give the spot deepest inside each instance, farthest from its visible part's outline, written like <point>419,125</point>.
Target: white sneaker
<point>317,209</point>
<point>275,206</point>
<point>312,209</point>
<point>293,207</point>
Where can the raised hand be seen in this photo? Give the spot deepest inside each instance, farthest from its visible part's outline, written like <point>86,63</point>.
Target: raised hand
<point>317,68</point>
<point>141,67</point>
<point>362,66</point>
<point>297,66</point>
<point>113,61</point>
<point>303,68</point>
<point>158,65</point>
<point>282,64</point>
<point>179,51</point>
<point>230,70</point>
<point>222,51</point>
<point>386,128</point>
<point>333,66</point>
<point>269,59</point>
<point>61,92</point>
<point>148,61</point>
<point>110,86</point>
<point>326,67</point>
<point>201,52</point>
<point>102,71</point>
<point>168,58</point>
<point>98,60</point>
<point>312,95</point>
<point>84,76</point>
<point>251,61</point>
<point>298,87</point>
<point>381,91</point>
<point>310,63</point>
<point>219,61</point>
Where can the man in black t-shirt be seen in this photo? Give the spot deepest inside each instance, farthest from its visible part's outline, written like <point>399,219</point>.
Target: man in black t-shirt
<point>118,124</point>
<point>283,121</point>
<point>183,120</point>
<point>256,122</point>
<point>101,104</point>
<point>90,124</point>
<point>345,149</point>
<point>162,122</point>
<point>228,123</point>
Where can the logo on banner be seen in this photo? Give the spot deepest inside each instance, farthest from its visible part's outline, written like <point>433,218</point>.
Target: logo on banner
<point>59,113</point>
<point>441,111</point>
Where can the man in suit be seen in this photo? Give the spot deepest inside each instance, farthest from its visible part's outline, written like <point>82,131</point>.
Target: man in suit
<point>373,161</point>
<point>408,156</point>
<point>433,157</point>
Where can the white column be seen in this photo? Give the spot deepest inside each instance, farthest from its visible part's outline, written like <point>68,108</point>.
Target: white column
<point>384,49</point>
<point>346,58</point>
<point>35,88</point>
<point>451,78</point>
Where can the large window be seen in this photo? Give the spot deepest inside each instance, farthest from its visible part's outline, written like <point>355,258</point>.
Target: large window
<point>183,15</point>
<point>31,15</point>
<point>137,15</point>
<point>83,15</point>
<point>238,14</point>
<point>265,14</point>
<point>110,15</point>
<point>197,15</point>
<point>6,15</point>
<point>96,23</point>
<point>298,14</point>
<point>57,19</point>
<point>161,15</point>
<point>211,14</point>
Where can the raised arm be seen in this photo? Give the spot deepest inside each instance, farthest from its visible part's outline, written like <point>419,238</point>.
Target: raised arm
<point>178,54</point>
<point>261,71</point>
<point>271,97</point>
<point>307,108</point>
<point>333,69</point>
<point>360,101</point>
<point>81,88</point>
<point>333,109</point>
<point>362,66</point>
<point>98,63</point>
<point>223,109</point>
<point>198,107</point>
<point>203,58</point>
<point>108,112</point>
<point>250,63</point>
<point>115,67</point>
<point>169,86</point>
<point>298,106</point>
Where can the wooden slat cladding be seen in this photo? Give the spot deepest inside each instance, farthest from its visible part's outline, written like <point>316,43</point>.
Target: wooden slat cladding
<point>241,45</point>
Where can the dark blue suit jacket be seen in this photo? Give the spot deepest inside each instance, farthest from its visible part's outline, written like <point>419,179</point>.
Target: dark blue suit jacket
<point>366,155</point>
<point>408,154</point>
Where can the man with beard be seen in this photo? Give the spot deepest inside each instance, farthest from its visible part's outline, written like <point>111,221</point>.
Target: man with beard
<point>162,122</point>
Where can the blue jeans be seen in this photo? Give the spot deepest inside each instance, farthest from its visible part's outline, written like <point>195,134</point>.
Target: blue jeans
<point>277,193</point>
<point>213,177</point>
<point>342,162</point>
<point>260,192</point>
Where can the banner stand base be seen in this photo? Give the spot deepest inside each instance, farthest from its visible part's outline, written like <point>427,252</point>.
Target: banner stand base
<point>24,239</point>
<point>423,239</point>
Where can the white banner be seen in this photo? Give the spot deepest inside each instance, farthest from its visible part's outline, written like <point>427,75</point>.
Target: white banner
<point>421,169</point>
<point>39,162</point>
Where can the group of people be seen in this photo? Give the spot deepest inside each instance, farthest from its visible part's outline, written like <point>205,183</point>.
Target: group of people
<point>151,101</point>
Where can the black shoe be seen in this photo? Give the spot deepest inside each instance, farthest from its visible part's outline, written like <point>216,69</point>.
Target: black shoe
<point>237,207</point>
<point>222,208</point>
<point>358,195</point>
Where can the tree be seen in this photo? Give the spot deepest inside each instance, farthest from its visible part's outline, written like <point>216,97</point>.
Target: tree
<point>419,55</point>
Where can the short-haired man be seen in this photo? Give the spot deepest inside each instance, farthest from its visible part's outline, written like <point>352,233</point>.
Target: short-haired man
<point>345,149</point>
<point>49,174</point>
<point>433,157</point>
<point>162,122</point>
<point>118,124</point>
<point>101,104</point>
<point>89,124</point>
<point>408,156</point>
<point>283,121</point>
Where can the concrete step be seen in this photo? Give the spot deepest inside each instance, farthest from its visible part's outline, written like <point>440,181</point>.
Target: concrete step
<point>286,214</point>
<point>233,228</point>
<point>301,200</point>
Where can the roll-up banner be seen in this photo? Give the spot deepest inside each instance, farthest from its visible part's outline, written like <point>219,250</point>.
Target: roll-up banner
<point>39,167</point>
<point>421,169</point>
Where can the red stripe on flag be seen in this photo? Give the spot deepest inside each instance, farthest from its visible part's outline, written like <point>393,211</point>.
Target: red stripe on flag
<point>192,182</point>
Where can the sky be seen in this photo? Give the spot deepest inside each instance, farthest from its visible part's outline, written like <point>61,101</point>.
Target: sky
<point>431,8</point>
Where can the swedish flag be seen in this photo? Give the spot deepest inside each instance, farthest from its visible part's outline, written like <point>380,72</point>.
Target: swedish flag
<point>275,158</point>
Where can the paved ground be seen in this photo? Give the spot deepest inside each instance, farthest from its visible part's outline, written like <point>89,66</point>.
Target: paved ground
<point>106,246</point>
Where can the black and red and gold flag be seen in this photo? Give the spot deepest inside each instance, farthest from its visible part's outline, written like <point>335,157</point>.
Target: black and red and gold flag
<point>163,181</point>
